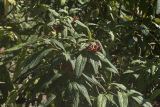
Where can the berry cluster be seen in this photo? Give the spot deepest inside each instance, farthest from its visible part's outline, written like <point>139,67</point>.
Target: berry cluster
<point>93,47</point>
<point>75,18</point>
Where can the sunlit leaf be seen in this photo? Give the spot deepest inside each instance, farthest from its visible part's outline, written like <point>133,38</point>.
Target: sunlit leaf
<point>101,100</point>
<point>123,99</point>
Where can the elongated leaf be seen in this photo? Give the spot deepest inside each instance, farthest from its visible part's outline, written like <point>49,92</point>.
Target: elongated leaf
<point>141,101</point>
<point>80,65</point>
<point>104,59</point>
<point>84,92</point>
<point>123,99</point>
<point>54,13</point>
<point>63,2</point>
<point>134,92</point>
<point>84,26</point>
<point>101,100</point>
<point>76,100</point>
<point>49,100</point>
<point>12,97</point>
<point>111,70</point>
<point>21,45</point>
<point>158,7</point>
<point>45,81</point>
<point>17,47</point>
<point>93,81</point>
<point>112,35</point>
<point>121,86</point>
<point>128,72</point>
<point>95,65</point>
<point>36,61</point>
<point>83,1</point>
<point>81,89</point>
<point>110,99</point>
<point>13,2</point>
<point>155,94</point>
<point>57,43</point>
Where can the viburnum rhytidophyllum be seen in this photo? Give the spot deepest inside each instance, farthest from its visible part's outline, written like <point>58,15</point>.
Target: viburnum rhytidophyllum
<point>93,47</point>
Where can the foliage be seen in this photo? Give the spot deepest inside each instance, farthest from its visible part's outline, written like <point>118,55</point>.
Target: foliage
<point>80,53</point>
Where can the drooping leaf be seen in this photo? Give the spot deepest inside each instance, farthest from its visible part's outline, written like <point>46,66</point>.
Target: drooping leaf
<point>128,72</point>
<point>133,92</point>
<point>93,81</point>
<point>63,2</point>
<point>76,100</point>
<point>49,100</point>
<point>111,70</point>
<point>155,94</point>
<point>36,61</point>
<point>12,97</point>
<point>101,100</point>
<point>80,65</point>
<point>83,1</point>
<point>141,101</point>
<point>59,44</point>
<point>95,65</point>
<point>110,98</point>
<point>158,7</point>
<point>86,28</point>
<point>112,35</point>
<point>123,99</point>
<point>53,12</point>
<point>104,59</point>
<point>13,2</point>
<point>121,86</point>
<point>82,89</point>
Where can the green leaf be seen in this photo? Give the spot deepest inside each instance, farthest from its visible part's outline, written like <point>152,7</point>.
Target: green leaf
<point>141,101</point>
<point>101,100</point>
<point>111,70</point>
<point>17,47</point>
<point>59,44</point>
<point>158,7</point>
<point>13,2</point>
<point>104,59</point>
<point>134,92</point>
<point>49,100</point>
<point>123,99</point>
<point>112,35</point>
<point>128,72</point>
<point>81,89</point>
<point>12,97</point>
<point>93,81</point>
<point>21,45</point>
<point>45,81</point>
<point>83,1</point>
<point>63,2</point>
<point>2,82</point>
<point>110,98</point>
<point>80,65</point>
<point>84,92</point>
<point>53,12</point>
<point>155,94</point>
<point>95,65</point>
<point>121,86</point>
<point>76,100</point>
<point>36,61</point>
<point>86,28</point>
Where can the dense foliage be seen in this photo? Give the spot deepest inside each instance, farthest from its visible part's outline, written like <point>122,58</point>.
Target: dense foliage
<point>80,53</point>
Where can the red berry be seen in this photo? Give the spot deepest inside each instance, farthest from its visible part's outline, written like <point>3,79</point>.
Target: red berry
<point>93,47</point>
